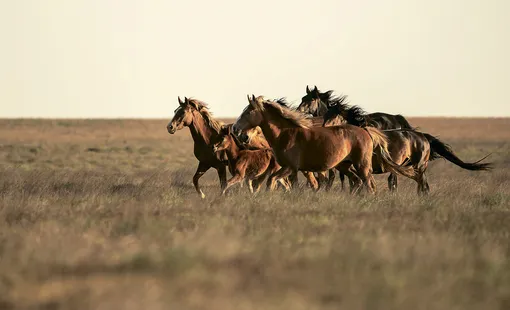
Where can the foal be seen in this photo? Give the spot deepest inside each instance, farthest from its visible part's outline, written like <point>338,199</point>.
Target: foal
<point>250,165</point>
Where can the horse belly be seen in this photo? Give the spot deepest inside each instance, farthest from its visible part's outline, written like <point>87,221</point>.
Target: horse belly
<point>323,156</point>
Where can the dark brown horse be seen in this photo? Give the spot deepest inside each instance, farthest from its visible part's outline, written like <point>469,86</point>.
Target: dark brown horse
<point>298,146</point>
<point>205,131</point>
<point>317,103</point>
<point>250,165</point>
<point>406,146</point>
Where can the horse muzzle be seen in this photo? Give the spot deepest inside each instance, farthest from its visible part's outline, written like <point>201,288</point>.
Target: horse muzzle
<point>171,129</point>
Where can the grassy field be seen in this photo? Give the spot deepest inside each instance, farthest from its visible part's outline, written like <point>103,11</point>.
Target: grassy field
<point>101,214</point>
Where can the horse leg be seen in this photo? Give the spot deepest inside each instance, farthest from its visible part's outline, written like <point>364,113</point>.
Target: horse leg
<point>222,174</point>
<point>392,182</point>
<point>202,168</point>
<point>331,179</point>
<point>423,185</point>
<point>342,179</point>
<point>311,180</point>
<point>293,179</point>
<point>323,179</point>
<point>250,185</point>
<point>363,172</point>
<point>235,179</point>
<point>281,173</point>
<point>285,183</point>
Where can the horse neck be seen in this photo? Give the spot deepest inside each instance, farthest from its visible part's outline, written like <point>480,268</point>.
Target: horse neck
<point>201,131</point>
<point>272,125</point>
<point>232,150</point>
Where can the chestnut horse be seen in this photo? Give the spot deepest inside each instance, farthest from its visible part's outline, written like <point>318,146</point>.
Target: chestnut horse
<point>298,146</point>
<point>205,130</point>
<point>250,165</point>
<point>406,146</point>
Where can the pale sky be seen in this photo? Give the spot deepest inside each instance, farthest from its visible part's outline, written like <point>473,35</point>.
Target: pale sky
<point>127,58</point>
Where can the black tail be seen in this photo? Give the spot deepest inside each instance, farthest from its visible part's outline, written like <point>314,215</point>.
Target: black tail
<point>439,149</point>
<point>404,124</point>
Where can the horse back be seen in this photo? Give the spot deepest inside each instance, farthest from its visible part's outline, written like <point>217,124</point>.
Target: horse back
<point>388,121</point>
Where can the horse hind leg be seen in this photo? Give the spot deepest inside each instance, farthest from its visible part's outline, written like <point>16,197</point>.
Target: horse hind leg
<point>323,179</point>
<point>283,172</point>
<point>423,185</point>
<point>363,171</point>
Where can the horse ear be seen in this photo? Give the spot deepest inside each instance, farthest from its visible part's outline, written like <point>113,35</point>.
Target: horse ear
<point>181,103</point>
<point>315,89</point>
<point>307,89</point>
<point>252,101</point>
<point>248,96</point>
<point>193,104</point>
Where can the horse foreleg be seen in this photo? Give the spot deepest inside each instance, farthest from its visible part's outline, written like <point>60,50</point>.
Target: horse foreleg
<point>235,179</point>
<point>202,168</point>
<point>222,174</point>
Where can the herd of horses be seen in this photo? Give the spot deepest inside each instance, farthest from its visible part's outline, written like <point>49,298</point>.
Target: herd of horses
<point>324,134</point>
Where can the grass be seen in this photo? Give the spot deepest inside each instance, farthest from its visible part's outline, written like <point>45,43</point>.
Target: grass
<point>102,214</point>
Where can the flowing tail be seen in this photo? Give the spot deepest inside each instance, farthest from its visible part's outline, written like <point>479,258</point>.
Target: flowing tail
<point>439,149</point>
<point>381,149</point>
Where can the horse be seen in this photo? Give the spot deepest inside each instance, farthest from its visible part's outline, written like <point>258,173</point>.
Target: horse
<point>250,165</point>
<point>205,130</point>
<point>406,146</point>
<point>299,147</point>
<point>317,103</point>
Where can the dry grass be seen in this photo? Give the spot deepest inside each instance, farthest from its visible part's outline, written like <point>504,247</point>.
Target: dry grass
<point>102,215</point>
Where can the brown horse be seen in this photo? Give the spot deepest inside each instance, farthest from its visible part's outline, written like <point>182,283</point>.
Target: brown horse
<point>406,146</point>
<point>250,165</point>
<point>205,131</point>
<point>298,146</point>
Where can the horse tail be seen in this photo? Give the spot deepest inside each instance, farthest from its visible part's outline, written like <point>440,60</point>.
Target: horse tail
<point>380,141</point>
<point>439,149</point>
<point>404,124</point>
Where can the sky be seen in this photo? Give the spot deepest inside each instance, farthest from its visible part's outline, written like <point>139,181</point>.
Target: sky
<point>131,59</point>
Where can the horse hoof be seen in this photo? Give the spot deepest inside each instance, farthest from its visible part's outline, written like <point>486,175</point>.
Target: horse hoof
<point>202,195</point>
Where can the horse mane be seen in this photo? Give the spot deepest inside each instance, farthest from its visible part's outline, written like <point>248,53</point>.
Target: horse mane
<point>330,100</point>
<point>203,109</point>
<point>283,102</point>
<point>297,118</point>
<point>356,116</point>
<point>353,115</point>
